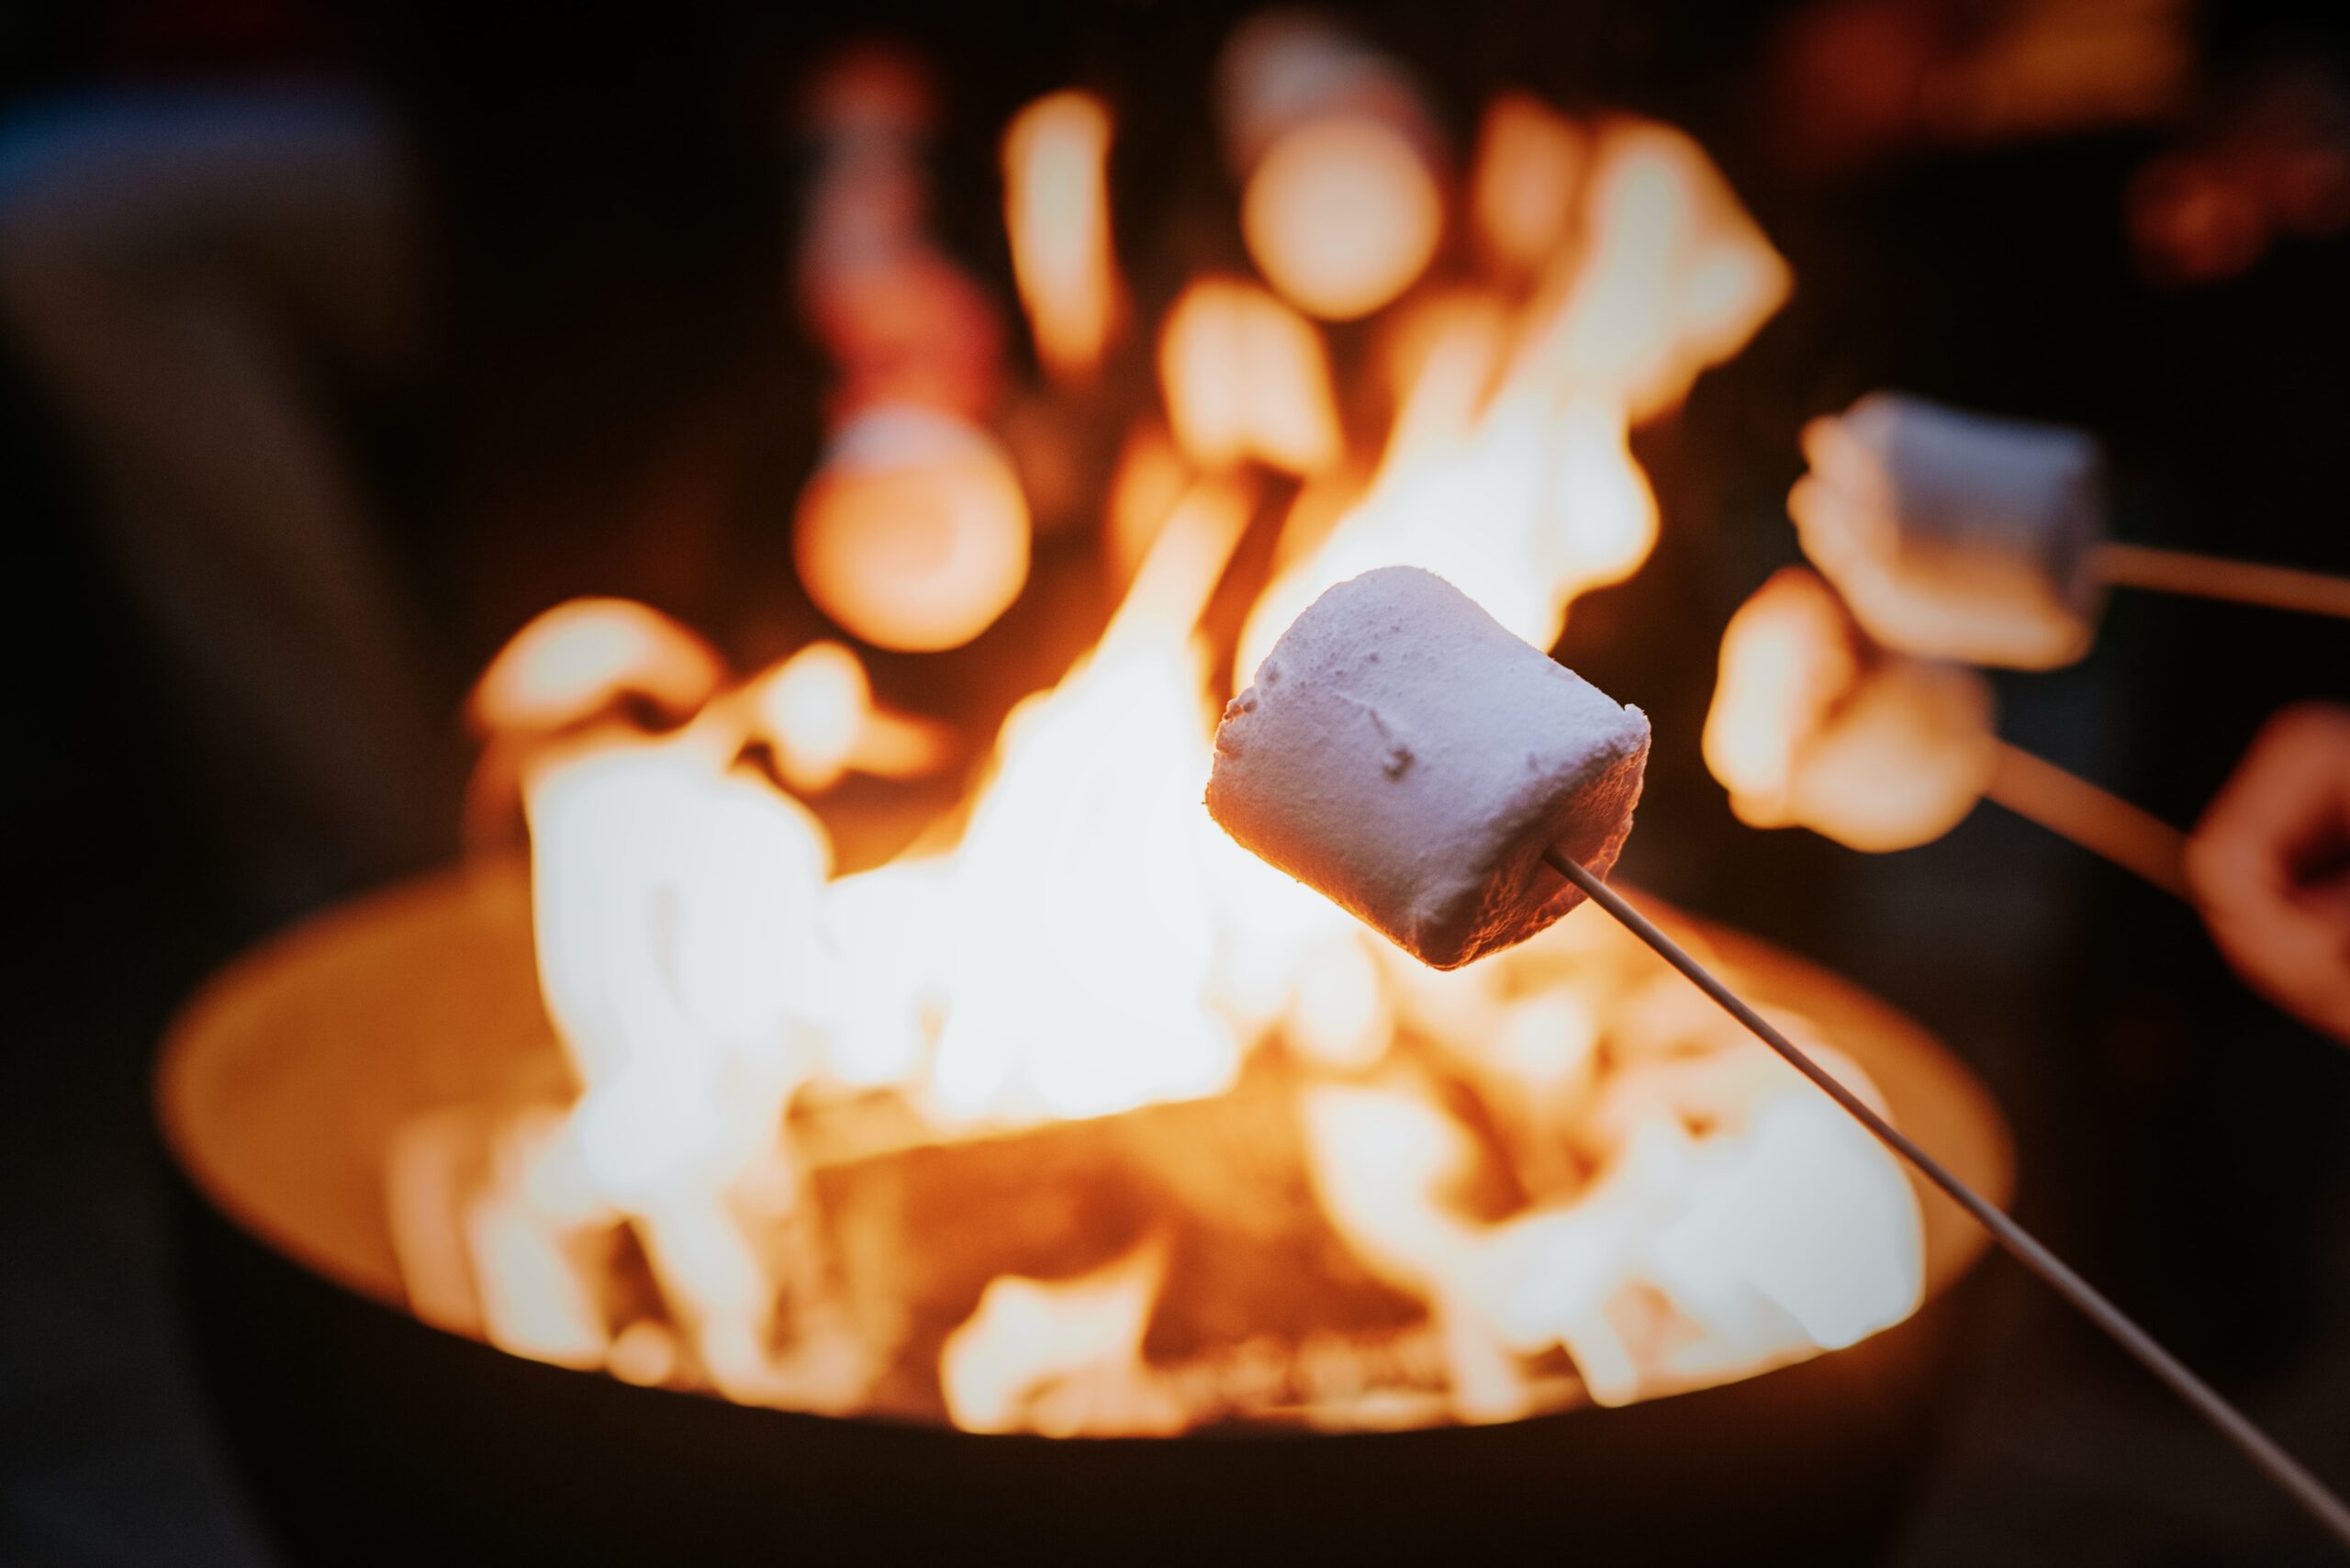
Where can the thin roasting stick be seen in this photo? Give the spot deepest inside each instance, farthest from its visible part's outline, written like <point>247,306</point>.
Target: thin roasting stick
<point>2208,576</point>
<point>2321,1505</point>
<point>2098,821</point>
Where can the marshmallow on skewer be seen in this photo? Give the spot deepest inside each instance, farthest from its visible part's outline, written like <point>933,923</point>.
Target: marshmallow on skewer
<point>1956,536</point>
<point>1812,726</point>
<point>1406,756</point>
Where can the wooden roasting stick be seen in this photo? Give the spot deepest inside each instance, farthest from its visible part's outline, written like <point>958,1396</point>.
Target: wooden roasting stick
<point>2306,1489</point>
<point>2097,819</point>
<point>2208,576</point>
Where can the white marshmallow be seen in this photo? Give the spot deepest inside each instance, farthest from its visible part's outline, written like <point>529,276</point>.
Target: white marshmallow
<point>1956,536</point>
<point>1408,756</point>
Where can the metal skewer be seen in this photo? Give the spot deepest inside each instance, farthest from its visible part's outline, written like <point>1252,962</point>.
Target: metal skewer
<point>2320,1504</point>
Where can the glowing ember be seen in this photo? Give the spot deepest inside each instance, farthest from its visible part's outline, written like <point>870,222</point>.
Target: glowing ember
<point>1081,1120</point>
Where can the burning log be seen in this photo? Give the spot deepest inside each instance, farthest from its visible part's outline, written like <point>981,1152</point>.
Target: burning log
<point>1249,1267</point>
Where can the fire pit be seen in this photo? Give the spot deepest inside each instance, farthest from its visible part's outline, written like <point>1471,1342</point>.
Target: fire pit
<point>1070,1183</point>
<point>368,1435</point>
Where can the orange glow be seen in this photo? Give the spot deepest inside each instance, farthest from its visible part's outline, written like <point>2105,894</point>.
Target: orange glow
<point>1341,215</point>
<point>816,711</point>
<point>1076,992</point>
<point>574,659</point>
<point>1245,376</point>
<point>914,534</point>
<point>1060,1356</point>
<point>1513,480</point>
<point>1811,727</point>
<point>1096,785</point>
<point>1522,195</point>
<point>1056,212</point>
<point>1675,275</point>
<point>1151,478</point>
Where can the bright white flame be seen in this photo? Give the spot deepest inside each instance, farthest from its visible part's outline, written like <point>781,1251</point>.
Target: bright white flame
<point>1781,1226</point>
<point>1095,806</point>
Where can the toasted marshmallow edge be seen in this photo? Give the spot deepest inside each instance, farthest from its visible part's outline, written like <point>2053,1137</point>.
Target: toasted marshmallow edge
<point>1410,758</point>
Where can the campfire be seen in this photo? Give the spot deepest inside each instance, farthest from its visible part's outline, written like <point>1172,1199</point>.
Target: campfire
<point>1073,1119</point>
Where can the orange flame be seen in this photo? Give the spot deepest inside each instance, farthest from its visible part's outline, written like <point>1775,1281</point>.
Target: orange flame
<point>574,660</point>
<point>747,1031</point>
<point>1056,211</point>
<point>1151,479</point>
<point>1675,275</point>
<point>816,709</point>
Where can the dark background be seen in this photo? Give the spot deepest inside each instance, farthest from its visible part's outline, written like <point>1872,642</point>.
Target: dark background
<point>607,245</point>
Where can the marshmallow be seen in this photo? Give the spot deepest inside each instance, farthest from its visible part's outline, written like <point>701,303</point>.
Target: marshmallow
<point>1812,726</point>
<point>1405,754</point>
<point>1955,536</point>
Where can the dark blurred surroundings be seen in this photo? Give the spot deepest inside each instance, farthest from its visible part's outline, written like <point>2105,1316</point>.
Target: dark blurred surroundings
<point>340,342</point>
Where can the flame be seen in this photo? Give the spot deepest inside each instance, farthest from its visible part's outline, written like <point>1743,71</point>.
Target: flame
<point>1096,793</point>
<point>1683,1257</point>
<point>1056,211</point>
<point>1151,479</point>
<point>1529,161</point>
<point>1569,1171</point>
<point>1245,376</point>
<point>1675,276</point>
<point>1811,727</point>
<point>1060,1356</point>
<point>572,661</point>
<point>816,711</point>
<point>1341,215</point>
<point>914,534</point>
<point>1519,440</point>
